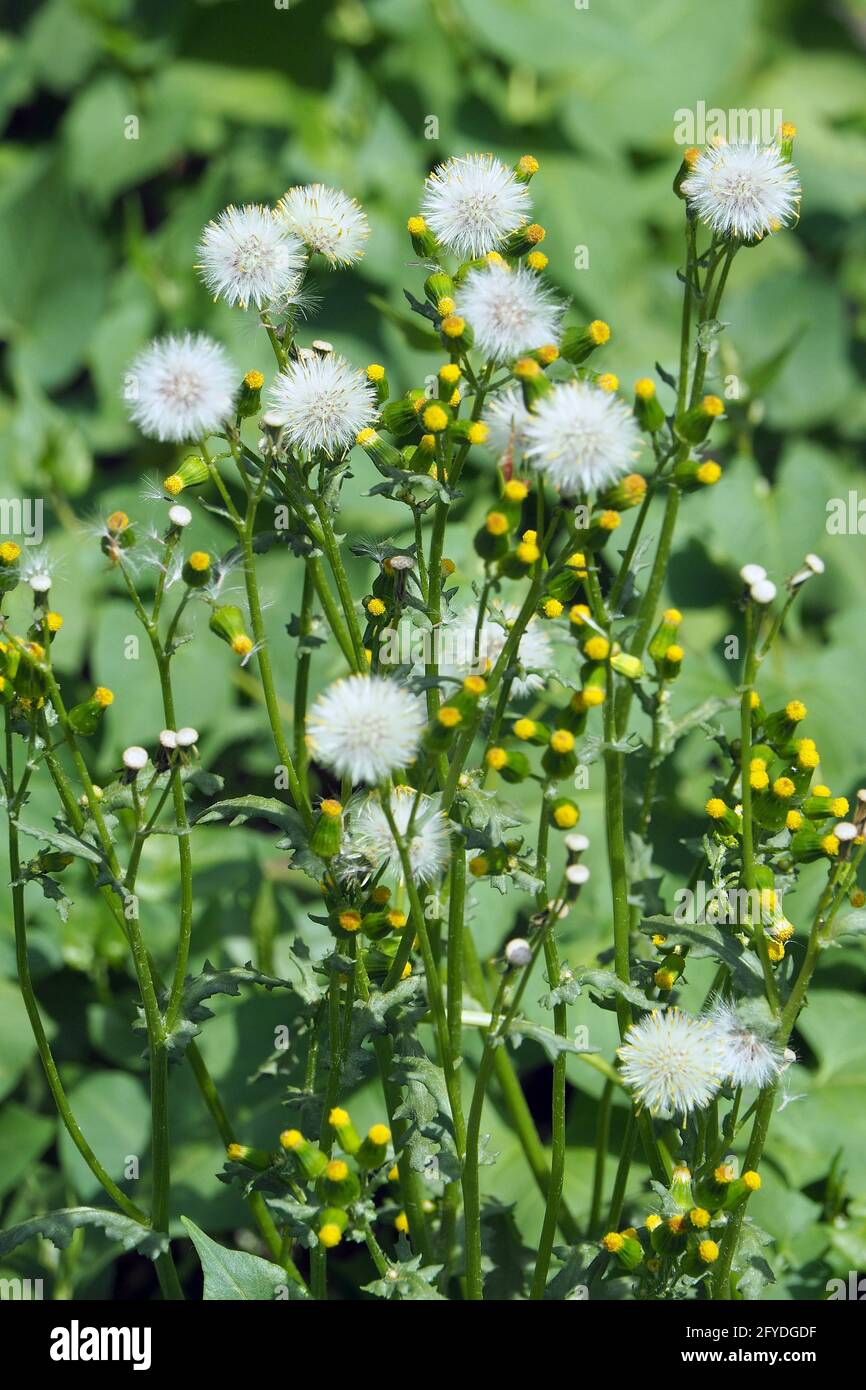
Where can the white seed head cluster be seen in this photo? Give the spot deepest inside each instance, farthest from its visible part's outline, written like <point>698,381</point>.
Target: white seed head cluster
<point>249,256</point>
<point>743,190</point>
<point>327,220</point>
<point>670,1062</point>
<point>746,1057</point>
<point>370,842</point>
<point>581,438</point>
<point>322,403</point>
<point>509,311</point>
<point>472,204</point>
<point>364,727</point>
<point>534,650</point>
<point>506,418</point>
<point>36,570</point>
<point>180,389</point>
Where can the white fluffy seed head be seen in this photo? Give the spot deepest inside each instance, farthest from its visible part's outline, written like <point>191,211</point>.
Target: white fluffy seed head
<point>506,417</point>
<point>577,875</point>
<point>168,740</point>
<point>186,737</point>
<point>327,220</point>
<point>752,574</point>
<point>179,516</point>
<point>370,847</point>
<point>134,758</point>
<point>845,830</point>
<point>249,256</point>
<point>764,591</point>
<point>814,563</point>
<point>509,311</point>
<point>581,438</point>
<point>363,727</point>
<point>576,843</point>
<point>534,651</point>
<point>322,403</point>
<point>518,952</point>
<point>743,190</point>
<point>473,203</point>
<point>36,569</point>
<point>670,1062</point>
<point>180,389</point>
<point>746,1058</point>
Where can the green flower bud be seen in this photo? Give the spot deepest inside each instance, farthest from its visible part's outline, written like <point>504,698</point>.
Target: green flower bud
<point>531,731</point>
<point>258,1159</point>
<point>374,1150</point>
<point>10,572</point>
<point>694,474</point>
<point>424,243</point>
<point>332,1223</point>
<point>665,634</point>
<point>439,286</point>
<point>684,170</point>
<point>511,764</point>
<point>559,758</point>
<point>647,406</point>
<point>694,425</point>
<point>491,541</point>
<point>781,726</point>
<point>337,1185</point>
<point>629,492</point>
<point>563,813</point>
<point>196,571</point>
<point>681,1187</point>
<point>401,417</point>
<point>625,1247</point>
<point>192,473</point>
<point>578,343</point>
<point>250,395</point>
<point>383,454</point>
<point>456,335</point>
<point>309,1157</point>
<point>227,622</point>
<point>86,716</point>
<point>627,665</point>
<point>524,239</point>
<point>119,536</point>
<point>327,830</point>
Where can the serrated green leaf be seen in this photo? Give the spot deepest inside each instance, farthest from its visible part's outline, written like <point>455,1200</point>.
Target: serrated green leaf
<point>60,1226</point>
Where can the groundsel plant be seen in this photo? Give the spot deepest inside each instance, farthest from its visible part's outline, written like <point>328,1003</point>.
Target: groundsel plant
<point>395,778</point>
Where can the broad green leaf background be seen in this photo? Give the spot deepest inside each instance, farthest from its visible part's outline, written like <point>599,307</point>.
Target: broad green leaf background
<point>126,127</point>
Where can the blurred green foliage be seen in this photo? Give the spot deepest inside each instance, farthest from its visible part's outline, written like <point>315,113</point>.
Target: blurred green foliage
<point>129,125</point>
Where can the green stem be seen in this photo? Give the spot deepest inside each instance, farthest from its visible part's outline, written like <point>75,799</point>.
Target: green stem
<point>602,1133</point>
<point>649,602</point>
<point>302,682</point>
<point>557,1100</point>
<point>456,908</point>
<point>335,561</point>
<point>515,1101</point>
<point>748,851</point>
<point>471,1187</point>
<point>431,975</point>
<point>43,1046</point>
<point>266,672</point>
<point>202,1076</point>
